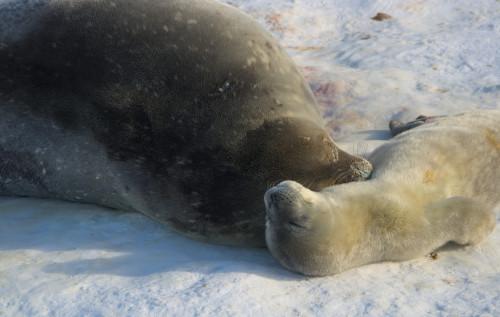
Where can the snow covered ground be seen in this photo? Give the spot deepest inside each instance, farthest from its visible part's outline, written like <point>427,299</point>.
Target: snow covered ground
<point>432,57</point>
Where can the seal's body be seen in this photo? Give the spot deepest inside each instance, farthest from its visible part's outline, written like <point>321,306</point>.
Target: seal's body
<point>185,111</point>
<point>431,185</point>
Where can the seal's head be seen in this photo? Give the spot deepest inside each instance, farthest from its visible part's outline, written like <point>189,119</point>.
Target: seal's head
<point>300,229</point>
<point>300,150</point>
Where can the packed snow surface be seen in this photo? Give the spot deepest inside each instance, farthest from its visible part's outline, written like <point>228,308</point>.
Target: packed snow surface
<point>431,57</point>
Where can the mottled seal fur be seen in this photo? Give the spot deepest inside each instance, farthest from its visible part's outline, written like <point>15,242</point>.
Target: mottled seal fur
<point>433,184</point>
<point>186,111</point>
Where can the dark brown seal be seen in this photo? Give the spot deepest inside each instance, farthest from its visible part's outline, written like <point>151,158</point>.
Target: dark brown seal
<point>186,111</point>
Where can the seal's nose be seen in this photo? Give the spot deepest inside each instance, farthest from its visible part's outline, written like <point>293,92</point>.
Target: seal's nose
<point>273,199</point>
<point>270,197</point>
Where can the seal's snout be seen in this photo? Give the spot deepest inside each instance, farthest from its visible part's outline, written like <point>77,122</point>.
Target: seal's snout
<point>281,194</point>
<point>273,199</point>
<point>285,206</point>
<point>280,199</point>
<point>361,169</point>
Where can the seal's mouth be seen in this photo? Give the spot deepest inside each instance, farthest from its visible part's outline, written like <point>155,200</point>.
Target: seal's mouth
<point>296,225</point>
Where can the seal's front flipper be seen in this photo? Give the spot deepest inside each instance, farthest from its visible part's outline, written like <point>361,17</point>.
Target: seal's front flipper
<point>462,220</point>
<point>398,127</point>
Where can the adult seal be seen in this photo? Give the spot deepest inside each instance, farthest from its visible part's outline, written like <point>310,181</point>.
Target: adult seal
<point>431,185</point>
<point>186,111</point>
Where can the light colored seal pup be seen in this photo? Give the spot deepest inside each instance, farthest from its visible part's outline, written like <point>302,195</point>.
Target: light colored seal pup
<point>431,185</point>
<point>185,111</point>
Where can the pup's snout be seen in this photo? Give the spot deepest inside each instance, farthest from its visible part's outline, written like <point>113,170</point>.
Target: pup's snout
<point>275,197</point>
<point>282,194</point>
<point>271,197</point>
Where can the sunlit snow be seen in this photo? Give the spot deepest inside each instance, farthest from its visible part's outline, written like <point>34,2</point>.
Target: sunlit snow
<point>432,57</point>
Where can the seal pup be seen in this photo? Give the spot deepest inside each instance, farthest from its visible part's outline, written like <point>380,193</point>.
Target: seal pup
<point>186,111</point>
<point>434,184</point>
